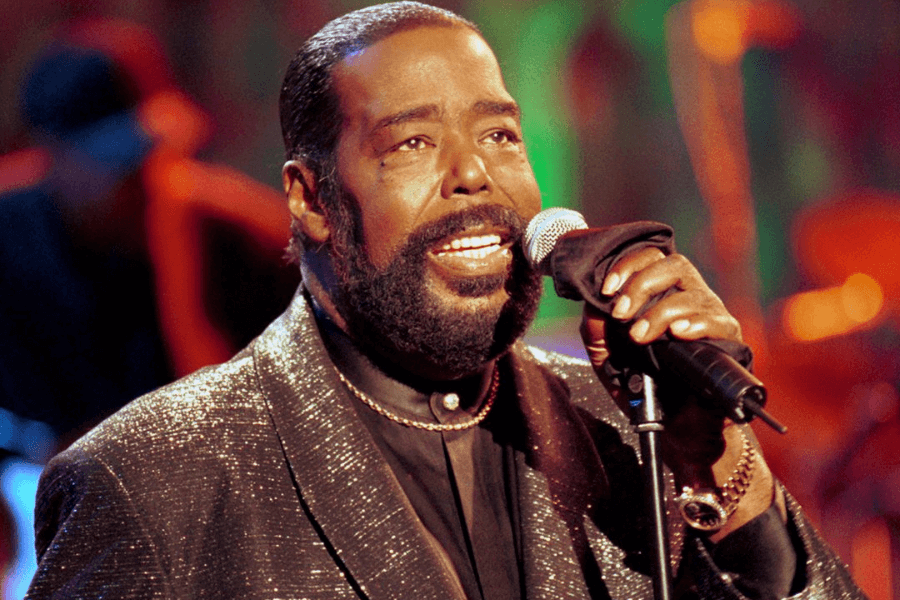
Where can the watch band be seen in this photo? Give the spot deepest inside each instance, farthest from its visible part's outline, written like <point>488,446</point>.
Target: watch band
<point>709,509</point>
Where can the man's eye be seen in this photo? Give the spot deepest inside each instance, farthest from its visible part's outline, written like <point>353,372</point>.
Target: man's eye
<point>502,137</point>
<point>416,143</point>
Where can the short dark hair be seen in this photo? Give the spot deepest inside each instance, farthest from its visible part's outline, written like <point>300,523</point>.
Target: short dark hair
<point>309,106</point>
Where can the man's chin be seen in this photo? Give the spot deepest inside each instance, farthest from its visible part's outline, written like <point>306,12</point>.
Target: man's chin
<point>457,343</point>
<point>416,311</point>
<point>489,306</point>
<point>477,288</point>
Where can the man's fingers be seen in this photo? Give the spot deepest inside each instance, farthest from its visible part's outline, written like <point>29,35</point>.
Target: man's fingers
<point>628,266</point>
<point>593,333</point>
<point>657,277</point>
<point>714,326</point>
<point>689,315</point>
<point>690,311</point>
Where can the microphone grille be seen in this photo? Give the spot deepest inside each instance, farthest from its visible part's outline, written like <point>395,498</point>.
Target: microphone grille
<point>545,229</point>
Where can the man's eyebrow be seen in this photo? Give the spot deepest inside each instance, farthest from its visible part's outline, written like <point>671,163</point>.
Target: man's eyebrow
<point>417,113</point>
<point>492,107</point>
<point>431,111</point>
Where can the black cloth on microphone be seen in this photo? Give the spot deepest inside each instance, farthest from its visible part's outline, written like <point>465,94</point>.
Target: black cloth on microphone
<point>580,262</point>
<point>581,259</point>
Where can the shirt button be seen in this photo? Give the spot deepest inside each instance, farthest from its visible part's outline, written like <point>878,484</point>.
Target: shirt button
<point>451,402</point>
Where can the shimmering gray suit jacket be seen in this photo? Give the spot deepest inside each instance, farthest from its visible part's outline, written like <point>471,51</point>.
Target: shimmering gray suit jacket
<point>255,479</point>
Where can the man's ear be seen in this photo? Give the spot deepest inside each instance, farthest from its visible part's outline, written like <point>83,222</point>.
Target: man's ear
<point>302,190</point>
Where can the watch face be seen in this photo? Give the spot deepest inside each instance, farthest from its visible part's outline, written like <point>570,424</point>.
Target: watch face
<point>701,510</point>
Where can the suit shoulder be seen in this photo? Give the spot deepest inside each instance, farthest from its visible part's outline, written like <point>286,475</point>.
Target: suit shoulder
<point>564,366</point>
<point>199,407</point>
<point>584,389</point>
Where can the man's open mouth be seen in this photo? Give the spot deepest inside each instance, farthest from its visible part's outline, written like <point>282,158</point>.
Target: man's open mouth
<point>474,253</point>
<point>478,246</point>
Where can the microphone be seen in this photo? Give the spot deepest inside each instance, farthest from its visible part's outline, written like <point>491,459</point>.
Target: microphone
<point>559,244</point>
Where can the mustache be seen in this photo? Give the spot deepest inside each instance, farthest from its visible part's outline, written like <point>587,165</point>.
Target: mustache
<point>427,235</point>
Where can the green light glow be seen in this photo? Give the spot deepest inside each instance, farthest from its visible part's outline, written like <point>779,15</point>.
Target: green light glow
<point>532,42</point>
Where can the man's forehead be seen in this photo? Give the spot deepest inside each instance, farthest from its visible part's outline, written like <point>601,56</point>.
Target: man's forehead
<point>414,43</point>
<point>416,71</point>
<point>436,112</point>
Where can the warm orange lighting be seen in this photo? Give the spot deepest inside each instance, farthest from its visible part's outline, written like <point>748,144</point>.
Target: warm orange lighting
<point>861,297</point>
<point>833,311</point>
<point>180,180</point>
<point>871,560</point>
<point>856,231</point>
<point>169,176</point>
<point>774,24</point>
<point>172,119</point>
<point>720,29</point>
<point>814,315</point>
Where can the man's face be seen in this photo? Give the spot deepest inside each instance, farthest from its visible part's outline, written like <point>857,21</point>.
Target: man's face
<point>429,129</point>
<point>431,153</point>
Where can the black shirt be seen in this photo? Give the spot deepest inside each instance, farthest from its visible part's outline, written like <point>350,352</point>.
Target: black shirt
<point>461,484</point>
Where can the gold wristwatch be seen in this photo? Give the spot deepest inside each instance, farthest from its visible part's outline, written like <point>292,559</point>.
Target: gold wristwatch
<point>709,509</point>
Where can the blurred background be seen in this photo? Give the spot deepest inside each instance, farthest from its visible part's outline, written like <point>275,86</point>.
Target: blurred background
<point>142,230</point>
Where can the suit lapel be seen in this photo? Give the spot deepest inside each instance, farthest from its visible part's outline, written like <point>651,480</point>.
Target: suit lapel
<point>566,555</point>
<point>560,477</point>
<point>343,482</point>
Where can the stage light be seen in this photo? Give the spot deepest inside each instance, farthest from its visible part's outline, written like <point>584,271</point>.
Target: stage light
<point>861,297</point>
<point>833,311</point>
<point>720,29</point>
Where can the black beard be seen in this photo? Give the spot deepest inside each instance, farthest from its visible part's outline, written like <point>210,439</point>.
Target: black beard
<point>391,314</point>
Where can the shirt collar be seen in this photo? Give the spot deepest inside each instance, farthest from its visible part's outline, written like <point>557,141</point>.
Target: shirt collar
<point>430,401</point>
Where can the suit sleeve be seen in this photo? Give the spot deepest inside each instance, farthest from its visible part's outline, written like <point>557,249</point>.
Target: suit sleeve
<point>821,575</point>
<point>90,540</point>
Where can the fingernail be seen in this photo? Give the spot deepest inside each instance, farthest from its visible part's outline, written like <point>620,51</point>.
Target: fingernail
<point>639,330</point>
<point>611,285</point>
<point>621,307</point>
<point>597,353</point>
<point>680,326</point>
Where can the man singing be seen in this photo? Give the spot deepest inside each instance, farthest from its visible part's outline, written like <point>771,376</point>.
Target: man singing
<point>389,437</point>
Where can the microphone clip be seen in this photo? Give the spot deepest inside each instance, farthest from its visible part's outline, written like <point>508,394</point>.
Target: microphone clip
<point>708,370</point>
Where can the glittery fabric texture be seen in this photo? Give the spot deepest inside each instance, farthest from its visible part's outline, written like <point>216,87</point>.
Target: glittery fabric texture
<point>255,479</point>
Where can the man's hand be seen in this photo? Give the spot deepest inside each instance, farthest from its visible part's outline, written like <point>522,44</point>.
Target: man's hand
<point>692,313</point>
<point>700,445</point>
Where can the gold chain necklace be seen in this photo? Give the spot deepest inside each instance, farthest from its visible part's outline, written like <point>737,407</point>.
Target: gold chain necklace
<point>475,420</point>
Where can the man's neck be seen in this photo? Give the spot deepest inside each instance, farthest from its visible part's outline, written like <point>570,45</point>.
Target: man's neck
<point>381,378</point>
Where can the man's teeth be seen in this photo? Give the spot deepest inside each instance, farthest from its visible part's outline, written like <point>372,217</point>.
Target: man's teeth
<point>474,246</point>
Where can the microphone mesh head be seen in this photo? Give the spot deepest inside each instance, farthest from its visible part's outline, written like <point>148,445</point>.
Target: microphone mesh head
<point>545,229</point>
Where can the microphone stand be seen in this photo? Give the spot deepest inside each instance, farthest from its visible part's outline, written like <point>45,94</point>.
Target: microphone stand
<point>646,416</point>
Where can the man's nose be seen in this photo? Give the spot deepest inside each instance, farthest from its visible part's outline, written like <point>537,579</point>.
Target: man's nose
<point>466,173</point>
